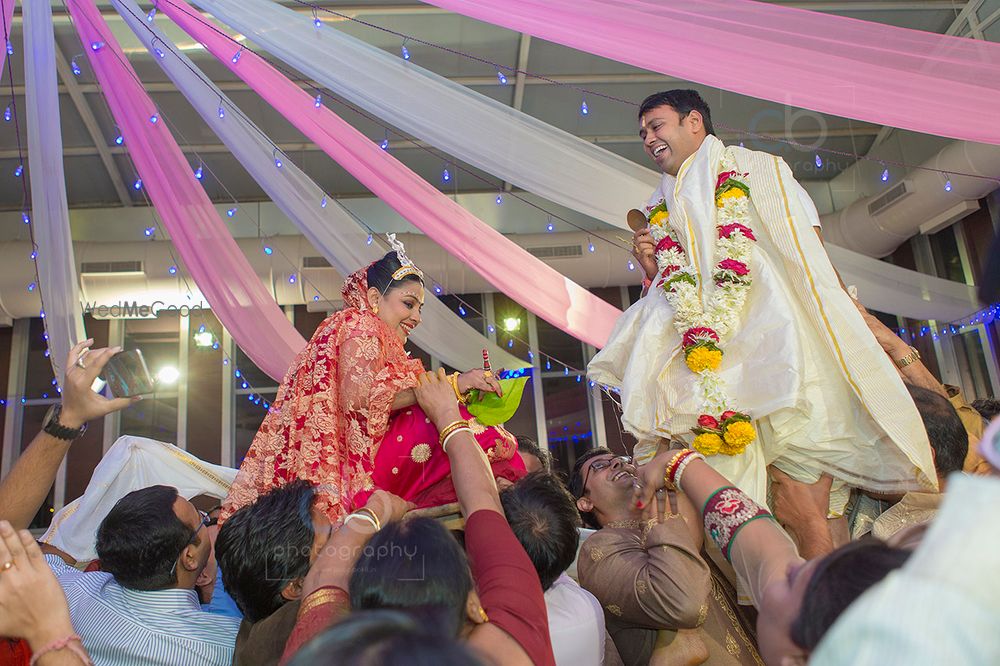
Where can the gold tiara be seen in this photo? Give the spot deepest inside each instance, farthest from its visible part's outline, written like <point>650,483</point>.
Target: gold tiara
<point>407,267</point>
<point>407,270</point>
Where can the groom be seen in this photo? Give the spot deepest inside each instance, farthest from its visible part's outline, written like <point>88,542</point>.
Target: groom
<point>798,359</point>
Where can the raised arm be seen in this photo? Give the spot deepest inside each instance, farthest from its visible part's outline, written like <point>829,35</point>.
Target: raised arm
<point>750,539</point>
<point>26,486</point>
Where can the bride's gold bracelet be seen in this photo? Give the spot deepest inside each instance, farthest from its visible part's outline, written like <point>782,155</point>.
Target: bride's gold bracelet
<point>453,380</point>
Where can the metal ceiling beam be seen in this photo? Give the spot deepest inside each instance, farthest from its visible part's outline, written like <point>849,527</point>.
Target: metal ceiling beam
<point>90,122</point>
<point>566,79</point>
<point>291,148</point>
<point>61,16</point>
<point>522,66</point>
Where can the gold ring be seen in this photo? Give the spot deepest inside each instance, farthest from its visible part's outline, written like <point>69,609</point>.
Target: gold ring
<point>487,373</point>
<point>6,565</point>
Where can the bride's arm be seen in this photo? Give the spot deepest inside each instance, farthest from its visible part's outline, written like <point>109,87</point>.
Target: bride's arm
<point>405,398</point>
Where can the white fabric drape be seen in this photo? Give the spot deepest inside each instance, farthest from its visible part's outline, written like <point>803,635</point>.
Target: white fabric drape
<point>472,127</point>
<point>519,148</point>
<point>132,463</point>
<point>330,229</point>
<point>50,212</point>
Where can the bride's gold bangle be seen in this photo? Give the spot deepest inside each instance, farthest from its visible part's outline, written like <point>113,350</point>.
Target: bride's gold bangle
<point>450,428</point>
<point>453,379</point>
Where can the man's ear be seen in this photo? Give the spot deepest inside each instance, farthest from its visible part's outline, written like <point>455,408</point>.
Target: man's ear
<point>585,505</point>
<point>293,590</point>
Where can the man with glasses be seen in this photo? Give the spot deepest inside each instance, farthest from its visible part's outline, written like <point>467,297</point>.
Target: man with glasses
<point>644,566</point>
<point>142,606</point>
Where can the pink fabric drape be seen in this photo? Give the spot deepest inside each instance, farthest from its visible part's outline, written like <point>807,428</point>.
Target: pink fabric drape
<point>882,74</point>
<point>7,14</point>
<point>208,250</point>
<point>501,262</point>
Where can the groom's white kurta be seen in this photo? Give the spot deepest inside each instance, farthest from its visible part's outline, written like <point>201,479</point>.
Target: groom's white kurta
<point>803,364</point>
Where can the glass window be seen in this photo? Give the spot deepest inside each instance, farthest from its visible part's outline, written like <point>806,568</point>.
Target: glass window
<point>204,387</point>
<point>512,325</point>
<point>617,439</point>
<point>947,260</point>
<point>249,414</point>
<point>40,381</point>
<point>467,306</point>
<point>559,346</point>
<point>33,417</point>
<point>567,419</point>
<point>971,358</point>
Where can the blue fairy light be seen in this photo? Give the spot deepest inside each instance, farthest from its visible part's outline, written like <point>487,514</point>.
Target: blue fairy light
<point>885,175</point>
<point>119,140</point>
<point>590,247</point>
<point>137,185</point>
<point>291,279</point>
<point>18,170</point>
<point>315,298</point>
<point>405,52</point>
<point>7,115</point>
<point>25,218</point>
<point>236,56</point>
<point>370,239</point>
<point>278,163</point>
<point>510,343</point>
<point>947,185</point>
<point>499,199</point>
<point>96,46</point>
<point>159,52</point>
<point>268,250</point>
<point>384,145</point>
<point>323,202</point>
<point>155,118</point>
<point>317,22</point>
<point>33,255</point>
<point>222,112</point>
<point>819,161</point>
<point>502,78</point>
<point>631,265</point>
<point>462,311</point>
<point>10,48</point>
<point>149,231</point>
<point>231,212</point>
<point>584,109</point>
<point>31,286</point>
<point>198,173</point>
<point>172,270</point>
<point>550,227</point>
<point>75,67</point>
<point>318,102</point>
<point>437,289</point>
<point>445,175</point>
<point>151,15</point>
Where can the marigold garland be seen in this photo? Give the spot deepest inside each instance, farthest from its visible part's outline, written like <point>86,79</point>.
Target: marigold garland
<point>703,327</point>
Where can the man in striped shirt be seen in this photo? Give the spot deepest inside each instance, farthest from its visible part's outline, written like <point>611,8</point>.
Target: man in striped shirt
<point>142,607</point>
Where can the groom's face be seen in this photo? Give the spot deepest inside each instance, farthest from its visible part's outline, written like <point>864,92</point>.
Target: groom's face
<point>668,139</point>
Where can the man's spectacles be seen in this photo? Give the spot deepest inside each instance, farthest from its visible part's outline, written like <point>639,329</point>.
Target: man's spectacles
<point>599,465</point>
<point>203,521</point>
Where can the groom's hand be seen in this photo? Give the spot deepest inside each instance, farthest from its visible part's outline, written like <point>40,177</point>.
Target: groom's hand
<point>644,249</point>
<point>436,397</point>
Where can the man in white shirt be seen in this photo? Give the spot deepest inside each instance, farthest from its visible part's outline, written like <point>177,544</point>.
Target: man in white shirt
<point>544,519</point>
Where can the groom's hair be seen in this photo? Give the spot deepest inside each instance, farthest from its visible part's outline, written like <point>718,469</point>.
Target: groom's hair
<point>681,101</point>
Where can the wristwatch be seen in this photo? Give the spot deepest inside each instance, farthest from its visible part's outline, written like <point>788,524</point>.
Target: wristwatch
<point>52,426</point>
<point>912,357</point>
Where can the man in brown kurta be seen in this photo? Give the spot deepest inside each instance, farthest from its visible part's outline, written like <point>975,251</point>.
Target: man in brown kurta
<point>662,603</point>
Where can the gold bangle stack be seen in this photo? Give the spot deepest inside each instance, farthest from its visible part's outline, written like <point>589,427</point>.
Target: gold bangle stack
<point>371,514</point>
<point>453,380</point>
<point>450,428</point>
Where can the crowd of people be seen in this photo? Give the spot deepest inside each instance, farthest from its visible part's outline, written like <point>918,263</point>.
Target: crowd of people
<point>375,520</point>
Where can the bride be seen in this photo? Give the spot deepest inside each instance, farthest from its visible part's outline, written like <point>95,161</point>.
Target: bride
<point>346,416</point>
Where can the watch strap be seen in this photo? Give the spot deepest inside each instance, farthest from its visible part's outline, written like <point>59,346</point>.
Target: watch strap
<point>54,428</point>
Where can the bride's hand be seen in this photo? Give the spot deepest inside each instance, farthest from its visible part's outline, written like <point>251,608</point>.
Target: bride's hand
<point>478,379</point>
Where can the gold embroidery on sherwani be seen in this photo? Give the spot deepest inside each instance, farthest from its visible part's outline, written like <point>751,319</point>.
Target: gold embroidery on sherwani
<point>702,614</point>
<point>731,645</point>
<point>614,609</point>
<point>596,554</point>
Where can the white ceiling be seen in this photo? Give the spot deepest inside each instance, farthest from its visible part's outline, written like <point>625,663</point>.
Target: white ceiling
<point>90,184</point>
